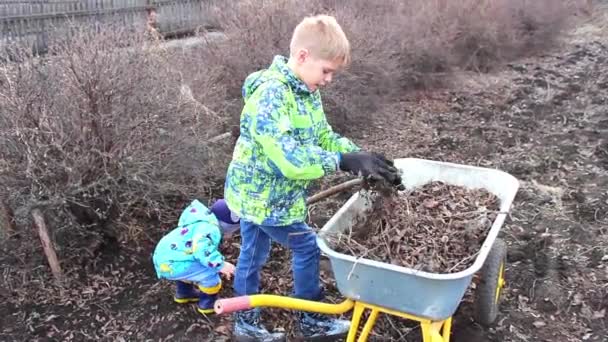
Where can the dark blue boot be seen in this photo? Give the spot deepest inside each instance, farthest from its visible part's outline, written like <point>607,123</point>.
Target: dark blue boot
<point>207,298</point>
<point>319,327</point>
<point>185,293</point>
<point>205,303</point>
<point>247,327</point>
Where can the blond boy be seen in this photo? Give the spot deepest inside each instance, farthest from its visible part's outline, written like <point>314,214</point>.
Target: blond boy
<point>285,143</point>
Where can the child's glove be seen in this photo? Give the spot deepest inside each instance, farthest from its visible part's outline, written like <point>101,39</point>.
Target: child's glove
<point>397,181</point>
<point>372,165</point>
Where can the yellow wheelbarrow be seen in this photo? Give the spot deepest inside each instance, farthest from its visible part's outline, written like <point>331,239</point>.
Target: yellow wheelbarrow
<point>428,298</point>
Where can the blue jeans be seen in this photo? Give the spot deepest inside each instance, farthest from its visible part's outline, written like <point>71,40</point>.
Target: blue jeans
<point>255,248</point>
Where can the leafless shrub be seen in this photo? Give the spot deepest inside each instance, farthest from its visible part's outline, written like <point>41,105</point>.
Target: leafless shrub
<point>107,127</point>
<point>397,45</point>
<point>103,128</point>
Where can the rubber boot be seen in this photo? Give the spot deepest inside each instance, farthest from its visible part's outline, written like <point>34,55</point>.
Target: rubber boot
<point>185,293</point>
<point>207,298</point>
<point>247,327</point>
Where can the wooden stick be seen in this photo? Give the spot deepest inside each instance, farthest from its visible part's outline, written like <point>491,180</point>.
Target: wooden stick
<point>333,190</point>
<point>7,216</point>
<point>47,245</point>
<point>220,137</point>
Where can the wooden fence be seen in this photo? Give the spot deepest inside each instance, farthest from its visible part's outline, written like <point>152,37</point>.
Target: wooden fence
<point>34,20</point>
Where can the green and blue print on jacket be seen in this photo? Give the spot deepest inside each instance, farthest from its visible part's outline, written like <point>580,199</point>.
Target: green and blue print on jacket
<point>190,251</point>
<point>285,143</point>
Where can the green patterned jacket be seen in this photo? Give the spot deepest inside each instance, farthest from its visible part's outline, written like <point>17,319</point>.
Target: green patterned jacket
<point>285,143</point>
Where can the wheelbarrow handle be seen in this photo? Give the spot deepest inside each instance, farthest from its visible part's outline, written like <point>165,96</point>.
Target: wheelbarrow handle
<point>230,305</point>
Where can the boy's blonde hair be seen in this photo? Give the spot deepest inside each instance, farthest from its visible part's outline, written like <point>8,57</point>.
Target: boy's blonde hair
<point>323,37</point>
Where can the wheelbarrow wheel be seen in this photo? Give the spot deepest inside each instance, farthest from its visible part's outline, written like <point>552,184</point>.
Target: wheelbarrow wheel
<point>491,282</point>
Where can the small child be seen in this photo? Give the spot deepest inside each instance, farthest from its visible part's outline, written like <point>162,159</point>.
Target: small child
<point>189,254</point>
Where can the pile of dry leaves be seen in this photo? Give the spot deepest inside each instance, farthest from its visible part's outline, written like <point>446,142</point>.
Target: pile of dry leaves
<point>438,228</point>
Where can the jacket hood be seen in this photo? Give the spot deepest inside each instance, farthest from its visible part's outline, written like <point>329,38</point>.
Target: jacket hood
<point>278,71</point>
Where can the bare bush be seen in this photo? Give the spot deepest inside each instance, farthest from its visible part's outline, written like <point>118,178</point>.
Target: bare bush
<point>107,126</point>
<point>255,31</point>
<point>489,33</point>
<point>397,45</point>
<point>101,129</point>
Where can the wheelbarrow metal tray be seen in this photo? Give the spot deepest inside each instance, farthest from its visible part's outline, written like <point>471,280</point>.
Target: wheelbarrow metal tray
<point>435,296</point>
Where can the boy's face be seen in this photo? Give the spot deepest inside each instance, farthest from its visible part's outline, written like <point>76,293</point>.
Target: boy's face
<point>314,72</point>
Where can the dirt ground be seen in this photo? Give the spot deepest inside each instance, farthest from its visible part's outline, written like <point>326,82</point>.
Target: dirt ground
<point>544,120</point>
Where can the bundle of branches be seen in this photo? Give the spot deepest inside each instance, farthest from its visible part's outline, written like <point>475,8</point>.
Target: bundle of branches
<point>435,228</point>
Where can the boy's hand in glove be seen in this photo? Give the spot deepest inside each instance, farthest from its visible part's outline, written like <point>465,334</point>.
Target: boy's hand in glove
<point>370,165</point>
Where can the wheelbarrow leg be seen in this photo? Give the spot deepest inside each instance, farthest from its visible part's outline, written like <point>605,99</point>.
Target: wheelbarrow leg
<point>447,329</point>
<point>354,325</point>
<point>432,331</point>
<point>436,331</point>
<point>367,328</point>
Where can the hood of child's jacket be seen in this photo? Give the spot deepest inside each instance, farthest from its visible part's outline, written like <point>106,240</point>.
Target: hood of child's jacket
<point>252,82</point>
<point>279,71</point>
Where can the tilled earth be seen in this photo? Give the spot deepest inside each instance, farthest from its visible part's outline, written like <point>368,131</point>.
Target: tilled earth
<point>544,120</point>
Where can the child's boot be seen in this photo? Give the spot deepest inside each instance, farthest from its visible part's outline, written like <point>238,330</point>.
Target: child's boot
<point>247,327</point>
<point>319,327</point>
<point>185,293</point>
<point>207,298</point>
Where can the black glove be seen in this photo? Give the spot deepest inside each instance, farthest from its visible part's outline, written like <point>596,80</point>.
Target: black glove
<point>370,165</point>
<point>396,179</point>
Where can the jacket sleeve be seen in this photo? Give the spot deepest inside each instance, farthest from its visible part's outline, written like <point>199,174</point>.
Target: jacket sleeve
<point>271,128</point>
<point>332,141</point>
<point>206,251</point>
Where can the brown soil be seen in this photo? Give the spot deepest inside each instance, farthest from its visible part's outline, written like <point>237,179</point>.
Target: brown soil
<point>543,120</point>
<point>435,228</point>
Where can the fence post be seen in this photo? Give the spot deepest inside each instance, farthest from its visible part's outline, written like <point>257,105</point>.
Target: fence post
<point>7,217</point>
<point>47,245</point>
